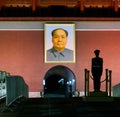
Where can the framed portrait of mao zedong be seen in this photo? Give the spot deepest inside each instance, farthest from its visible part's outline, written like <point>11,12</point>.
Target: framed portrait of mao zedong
<point>59,43</point>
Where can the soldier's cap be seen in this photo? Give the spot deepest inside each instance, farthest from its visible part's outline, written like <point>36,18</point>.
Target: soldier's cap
<point>97,51</point>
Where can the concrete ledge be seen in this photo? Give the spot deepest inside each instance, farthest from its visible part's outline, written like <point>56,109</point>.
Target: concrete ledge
<point>98,94</point>
<point>34,94</point>
<point>98,99</point>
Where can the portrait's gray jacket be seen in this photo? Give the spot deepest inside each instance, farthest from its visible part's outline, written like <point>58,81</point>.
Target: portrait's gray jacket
<point>65,55</point>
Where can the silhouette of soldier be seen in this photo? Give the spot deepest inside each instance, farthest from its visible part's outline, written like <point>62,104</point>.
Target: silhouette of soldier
<point>97,69</point>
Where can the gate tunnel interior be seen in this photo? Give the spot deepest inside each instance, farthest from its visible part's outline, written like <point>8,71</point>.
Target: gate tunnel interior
<point>59,81</point>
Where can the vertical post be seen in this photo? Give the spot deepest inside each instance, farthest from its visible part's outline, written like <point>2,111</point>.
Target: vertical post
<point>33,5</point>
<point>110,81</point>
<point>116,6</point>
<point>1,1</point>
<point>82,5</point>
<point>106,80</point>
<point>88,82</point>
<point>1,82</point>
<point>85,71</point>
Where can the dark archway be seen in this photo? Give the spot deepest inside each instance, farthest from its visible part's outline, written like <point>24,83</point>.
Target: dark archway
<point>59,81</point>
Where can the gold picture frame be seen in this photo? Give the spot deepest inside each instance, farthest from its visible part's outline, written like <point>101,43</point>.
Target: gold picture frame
<point>51,54</point>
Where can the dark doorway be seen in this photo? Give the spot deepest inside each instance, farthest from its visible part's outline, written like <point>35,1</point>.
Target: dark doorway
<point>59,81</point>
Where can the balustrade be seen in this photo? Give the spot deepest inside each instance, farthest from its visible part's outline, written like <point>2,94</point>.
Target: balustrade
<point>108,81</point>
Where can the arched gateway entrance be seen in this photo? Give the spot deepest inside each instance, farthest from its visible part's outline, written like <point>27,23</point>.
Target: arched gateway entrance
<point>59,81</point>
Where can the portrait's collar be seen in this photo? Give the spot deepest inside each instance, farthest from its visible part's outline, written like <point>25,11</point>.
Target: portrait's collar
<point>55,52</point>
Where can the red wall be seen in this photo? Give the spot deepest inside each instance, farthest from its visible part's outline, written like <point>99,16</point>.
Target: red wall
<point>22,53</point>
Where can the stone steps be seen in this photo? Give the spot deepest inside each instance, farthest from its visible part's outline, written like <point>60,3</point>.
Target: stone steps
<point>67,107</point>
<point>73,107</point>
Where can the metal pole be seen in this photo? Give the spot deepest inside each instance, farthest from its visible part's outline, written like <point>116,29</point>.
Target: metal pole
<point>110,81</point>
<point>88,82</point>
<point>106,80</point>
<point>85,71</point>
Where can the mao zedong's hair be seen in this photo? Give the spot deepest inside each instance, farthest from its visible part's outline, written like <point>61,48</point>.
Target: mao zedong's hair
<point>66,32</point>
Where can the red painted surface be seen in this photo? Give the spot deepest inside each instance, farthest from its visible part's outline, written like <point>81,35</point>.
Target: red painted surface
<point>22,53</point>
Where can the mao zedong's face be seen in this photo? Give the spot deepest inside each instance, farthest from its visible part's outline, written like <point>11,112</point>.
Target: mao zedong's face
<point>59,40</point>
